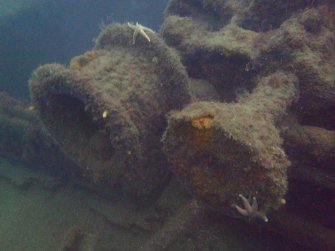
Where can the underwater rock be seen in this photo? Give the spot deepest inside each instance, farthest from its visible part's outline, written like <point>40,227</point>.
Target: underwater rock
<point>23,138</point>
<point>107,109</point>
<point>220,57</point>
<point>263,15</point>
<point>305,46</point>
<point>220,150</point>
<point>219,41</point>
<point>310,146</point>
<point>231,43</point>
<point>255,15</point>
<point>311,150</point>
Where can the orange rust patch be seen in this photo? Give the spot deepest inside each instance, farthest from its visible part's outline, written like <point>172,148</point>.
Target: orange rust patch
<point>78,62</point>
<point>201,136</point>
<point>201,123</point>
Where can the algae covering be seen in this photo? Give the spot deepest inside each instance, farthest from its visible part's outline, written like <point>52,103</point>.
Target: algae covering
<point>232,97</point>
<point>221,150</point>
<point>106,110</point>
<point>233,45</point>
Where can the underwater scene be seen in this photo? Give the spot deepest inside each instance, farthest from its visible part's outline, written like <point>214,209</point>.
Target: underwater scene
<point>167,125</point>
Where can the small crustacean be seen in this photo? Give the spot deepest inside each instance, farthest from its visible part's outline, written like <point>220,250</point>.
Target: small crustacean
<point>250,210</point>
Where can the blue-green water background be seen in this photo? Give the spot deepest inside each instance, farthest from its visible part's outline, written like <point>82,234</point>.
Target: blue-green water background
<point>35,32</point>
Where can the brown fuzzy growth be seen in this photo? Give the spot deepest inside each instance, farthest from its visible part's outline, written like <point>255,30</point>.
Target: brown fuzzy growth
<point>107,110</point>
<point>221,150</point>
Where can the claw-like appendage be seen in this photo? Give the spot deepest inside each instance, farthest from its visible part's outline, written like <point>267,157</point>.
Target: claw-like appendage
<point>250,210</point>
<point>140,30</point>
